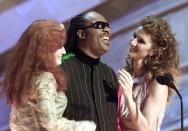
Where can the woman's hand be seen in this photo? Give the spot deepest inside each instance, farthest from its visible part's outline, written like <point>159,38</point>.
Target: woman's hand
<point>127,123</point>
<point>126,82</point>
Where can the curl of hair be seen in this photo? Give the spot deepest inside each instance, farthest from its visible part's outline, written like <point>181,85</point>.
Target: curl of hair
<point>32,55</point>
<point>166,59</point>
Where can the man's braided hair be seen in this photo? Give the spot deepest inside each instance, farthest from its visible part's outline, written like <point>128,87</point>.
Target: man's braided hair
<point>76,24</point>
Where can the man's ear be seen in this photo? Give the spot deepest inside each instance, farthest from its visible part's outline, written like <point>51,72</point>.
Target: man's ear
<point>81,34</point>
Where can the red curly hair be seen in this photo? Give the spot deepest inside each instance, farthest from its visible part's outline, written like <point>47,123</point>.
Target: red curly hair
<point>32,55</point>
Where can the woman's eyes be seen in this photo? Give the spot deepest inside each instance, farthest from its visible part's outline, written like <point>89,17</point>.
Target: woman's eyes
<point>139,40</point>
<point>134,35</point>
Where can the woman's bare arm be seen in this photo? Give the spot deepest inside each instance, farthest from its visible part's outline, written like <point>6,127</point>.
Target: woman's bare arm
<point>156,100</point>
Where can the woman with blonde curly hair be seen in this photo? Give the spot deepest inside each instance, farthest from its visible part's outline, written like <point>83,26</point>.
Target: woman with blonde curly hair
<point>153,51</point>
<point>34,84</point>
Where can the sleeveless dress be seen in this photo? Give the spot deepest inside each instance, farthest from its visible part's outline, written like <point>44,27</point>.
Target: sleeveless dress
<point>140,93</point>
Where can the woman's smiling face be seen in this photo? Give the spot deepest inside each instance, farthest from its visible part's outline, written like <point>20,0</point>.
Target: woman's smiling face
<point>140,44</point>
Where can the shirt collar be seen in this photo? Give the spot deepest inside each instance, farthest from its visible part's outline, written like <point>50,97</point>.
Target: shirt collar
<point>85,58</point>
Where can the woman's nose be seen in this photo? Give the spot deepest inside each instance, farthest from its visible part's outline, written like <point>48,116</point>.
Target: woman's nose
<point>134,41</point>
<point>63,50</point>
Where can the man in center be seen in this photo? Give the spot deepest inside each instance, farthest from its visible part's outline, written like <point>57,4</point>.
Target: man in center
<point>92,85</point>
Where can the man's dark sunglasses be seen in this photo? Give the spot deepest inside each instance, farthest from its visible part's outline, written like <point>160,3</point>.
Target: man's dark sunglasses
<point>98,25</point>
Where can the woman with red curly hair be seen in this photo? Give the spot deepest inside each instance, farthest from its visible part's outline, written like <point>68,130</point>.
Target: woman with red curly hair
<point>35,85</point>
<point>153,51</point>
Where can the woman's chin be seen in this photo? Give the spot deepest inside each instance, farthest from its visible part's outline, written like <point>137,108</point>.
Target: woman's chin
<point>131,54</point>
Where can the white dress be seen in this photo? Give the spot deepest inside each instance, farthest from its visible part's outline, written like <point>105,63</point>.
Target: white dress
<point>140,93</point>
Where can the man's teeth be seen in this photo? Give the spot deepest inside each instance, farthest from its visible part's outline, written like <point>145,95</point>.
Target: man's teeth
<point>106,38</point>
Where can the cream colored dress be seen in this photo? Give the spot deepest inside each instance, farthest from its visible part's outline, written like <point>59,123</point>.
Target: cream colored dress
<point>140,93</point>
<point>44,111</point>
